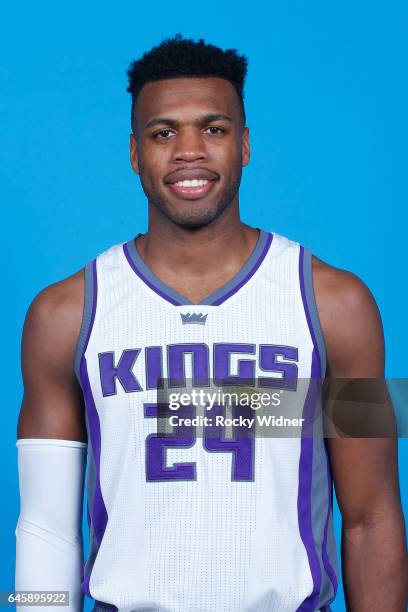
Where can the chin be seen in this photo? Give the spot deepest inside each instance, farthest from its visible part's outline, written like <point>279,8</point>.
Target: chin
<point>195,217</point>
<point>193,221</point>
<point>193,214</point>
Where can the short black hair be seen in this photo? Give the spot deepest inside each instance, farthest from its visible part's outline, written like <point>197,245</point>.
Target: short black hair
<point>179,57</point>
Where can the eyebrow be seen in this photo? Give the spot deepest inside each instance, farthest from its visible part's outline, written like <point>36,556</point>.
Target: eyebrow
<point>174,123</point>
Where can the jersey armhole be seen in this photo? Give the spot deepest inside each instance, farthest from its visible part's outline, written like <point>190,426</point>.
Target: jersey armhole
<point>88,315</point>
<point>310,306</point>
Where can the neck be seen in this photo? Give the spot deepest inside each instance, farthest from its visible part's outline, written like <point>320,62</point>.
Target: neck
<point>222,246</point>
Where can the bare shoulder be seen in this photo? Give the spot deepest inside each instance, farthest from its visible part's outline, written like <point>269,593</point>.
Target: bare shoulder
<point>340,289</point>
<point>52,405</point>
<point>55,314</point>
<point>65,294</point>
<point>350,320</point>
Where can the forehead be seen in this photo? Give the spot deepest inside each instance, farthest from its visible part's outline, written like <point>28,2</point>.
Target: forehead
<point>184,96</point>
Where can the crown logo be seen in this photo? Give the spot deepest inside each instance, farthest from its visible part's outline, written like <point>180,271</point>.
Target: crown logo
<point>195,318</point>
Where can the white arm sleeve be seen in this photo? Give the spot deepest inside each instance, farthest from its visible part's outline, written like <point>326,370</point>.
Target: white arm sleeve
<point>49,546</point>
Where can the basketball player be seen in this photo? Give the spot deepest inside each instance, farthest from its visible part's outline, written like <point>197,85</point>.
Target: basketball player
<point>213,522</point>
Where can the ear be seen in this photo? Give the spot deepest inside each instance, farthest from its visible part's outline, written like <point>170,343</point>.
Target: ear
<point>134,154</point>
<point>245,146</point>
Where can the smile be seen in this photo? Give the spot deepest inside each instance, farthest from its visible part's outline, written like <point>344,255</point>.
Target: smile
<point>191,189</point>
<point>192,183</point>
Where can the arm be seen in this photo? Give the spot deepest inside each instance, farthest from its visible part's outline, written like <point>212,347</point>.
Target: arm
<point>51,446</point>
<point>365,473</point>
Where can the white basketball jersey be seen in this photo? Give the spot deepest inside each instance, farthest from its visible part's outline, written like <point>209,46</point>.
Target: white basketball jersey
<point>204,522</point>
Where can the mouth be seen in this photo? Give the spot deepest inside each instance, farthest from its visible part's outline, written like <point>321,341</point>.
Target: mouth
<point>192,189</point>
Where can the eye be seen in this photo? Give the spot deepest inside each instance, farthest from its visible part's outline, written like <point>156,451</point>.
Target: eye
<point>163,134</point>
<point>215,130</point>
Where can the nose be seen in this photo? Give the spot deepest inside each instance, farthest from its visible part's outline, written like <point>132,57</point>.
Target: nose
<point>190,146</point>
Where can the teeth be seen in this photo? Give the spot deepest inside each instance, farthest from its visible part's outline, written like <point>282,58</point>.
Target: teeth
<point>192,183</point>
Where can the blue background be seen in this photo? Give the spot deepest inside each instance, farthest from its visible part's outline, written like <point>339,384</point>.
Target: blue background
<point>326,101</point>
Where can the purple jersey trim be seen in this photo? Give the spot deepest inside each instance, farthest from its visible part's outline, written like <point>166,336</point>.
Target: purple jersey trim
<point>98,513</point>
<point>248,276</point>
<point>326,562</point>
<point>307,311</point>
<point>88,315</point>
<point>304,502</point>
<point>144,278</point>
<point>97,516</point>
<point>101,606</point>
<point>306,466</point>
<point>94,294</point>
<point>220,295</point>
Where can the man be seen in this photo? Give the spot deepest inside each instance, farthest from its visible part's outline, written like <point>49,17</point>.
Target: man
<point>216,522</point>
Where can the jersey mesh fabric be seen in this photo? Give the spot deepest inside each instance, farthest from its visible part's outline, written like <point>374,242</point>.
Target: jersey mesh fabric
<point>210,543</point>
